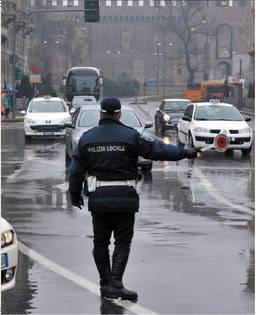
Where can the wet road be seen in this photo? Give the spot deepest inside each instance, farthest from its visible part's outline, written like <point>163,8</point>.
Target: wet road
<point>193,249</point>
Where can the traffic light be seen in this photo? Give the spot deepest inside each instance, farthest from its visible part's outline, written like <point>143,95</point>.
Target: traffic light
<point>91,11</point>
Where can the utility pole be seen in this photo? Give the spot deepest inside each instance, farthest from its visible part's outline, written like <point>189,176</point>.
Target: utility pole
<point>14,31</point>
<point>158,67</point>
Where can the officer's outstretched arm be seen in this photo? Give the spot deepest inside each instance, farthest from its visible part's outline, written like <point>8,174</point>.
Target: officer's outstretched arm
<point>159,151</point>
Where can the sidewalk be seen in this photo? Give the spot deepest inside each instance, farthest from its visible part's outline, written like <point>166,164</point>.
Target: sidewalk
<point>17,118</point>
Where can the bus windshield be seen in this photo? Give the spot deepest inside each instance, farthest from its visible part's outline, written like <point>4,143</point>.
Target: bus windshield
<point>83,81</point>
<point>83,84</point>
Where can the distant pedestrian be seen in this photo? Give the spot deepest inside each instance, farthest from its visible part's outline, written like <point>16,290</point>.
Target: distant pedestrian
<point>6,102</point>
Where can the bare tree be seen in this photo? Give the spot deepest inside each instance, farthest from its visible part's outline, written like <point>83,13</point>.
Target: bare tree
<point>184,19</point>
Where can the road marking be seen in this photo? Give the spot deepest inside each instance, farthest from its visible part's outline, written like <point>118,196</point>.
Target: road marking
<point>81,281</point>
<point>208,185</point>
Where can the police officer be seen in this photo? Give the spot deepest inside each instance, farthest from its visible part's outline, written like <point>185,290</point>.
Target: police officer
<point>108,155</point>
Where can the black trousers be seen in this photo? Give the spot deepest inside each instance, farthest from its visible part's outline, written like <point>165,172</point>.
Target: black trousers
<point>121,224</point>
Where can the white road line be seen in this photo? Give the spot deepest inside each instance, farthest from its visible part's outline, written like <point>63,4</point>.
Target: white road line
<point>81,281</point>
<point>208,185</point>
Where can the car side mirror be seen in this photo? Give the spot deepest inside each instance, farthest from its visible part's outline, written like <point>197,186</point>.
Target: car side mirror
<point>69,125</point>
<point>72,110</point>
<point>248,119</point>
<point>186,118</point>
<point>148,125</point>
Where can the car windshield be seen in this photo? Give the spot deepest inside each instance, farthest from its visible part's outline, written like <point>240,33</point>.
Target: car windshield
<point>175,105</point>
<point>47,107</point>
<point>218,112</point>
<point>90,118</point>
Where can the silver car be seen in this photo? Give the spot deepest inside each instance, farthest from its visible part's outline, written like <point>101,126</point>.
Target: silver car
<point>88,116</point>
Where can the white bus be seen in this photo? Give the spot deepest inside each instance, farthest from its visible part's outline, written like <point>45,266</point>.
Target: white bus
<point>83,81</point>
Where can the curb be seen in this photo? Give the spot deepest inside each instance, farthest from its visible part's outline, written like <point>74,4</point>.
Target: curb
<point>8,120</point>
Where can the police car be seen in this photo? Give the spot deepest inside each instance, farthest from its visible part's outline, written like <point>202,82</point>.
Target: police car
<point>87,117</point>
<point>203,121</point>
<point>46,116</point>
<point>9,255</point>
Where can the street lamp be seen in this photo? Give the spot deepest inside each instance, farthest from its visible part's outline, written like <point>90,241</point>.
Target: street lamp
<point>158,68</point>
<point>206,63</point>
<point>169,46</point>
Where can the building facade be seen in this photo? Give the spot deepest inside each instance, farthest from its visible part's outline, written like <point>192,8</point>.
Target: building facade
<point>130,38</point>
<point>16,26</point>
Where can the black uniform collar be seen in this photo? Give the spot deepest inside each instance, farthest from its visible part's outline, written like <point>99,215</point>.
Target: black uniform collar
<point>109,120</point>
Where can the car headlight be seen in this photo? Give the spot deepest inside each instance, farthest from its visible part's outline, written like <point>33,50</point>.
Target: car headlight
<point>245,130</point>
<point>7,238</point>
<point>167,117</point>
<point>201,129</point>
<point>29,121</point>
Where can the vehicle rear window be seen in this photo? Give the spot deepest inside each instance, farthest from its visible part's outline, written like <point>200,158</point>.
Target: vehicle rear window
<point>175,105</point>
<point>90,118</point>
<point>217,112</point>
<point>47,107</point>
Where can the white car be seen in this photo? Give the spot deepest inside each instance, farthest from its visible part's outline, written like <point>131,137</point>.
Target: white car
<point>46,116</point>
<point>203,121</point>
<point>9,255</point>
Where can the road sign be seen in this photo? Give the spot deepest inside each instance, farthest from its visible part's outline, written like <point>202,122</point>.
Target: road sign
<point>151,82</point>
<point>35,78</point>
<point>18,74</point>
<point>221,142</point>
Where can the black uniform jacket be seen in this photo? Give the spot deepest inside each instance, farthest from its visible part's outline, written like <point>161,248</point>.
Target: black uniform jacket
<point>110,152</point>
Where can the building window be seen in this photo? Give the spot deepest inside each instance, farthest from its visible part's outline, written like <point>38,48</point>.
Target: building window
<point>224,3</point>
<point>108,3</point>
<point>130,3</point>
<point>65,3</point>
<point>76,3</point>
<point>32,2</point>
<point>162,3</point>
<point>241,3</point>
<point>141,3</point>
<point>54,3</point>
<point>119,3</point>
<point>152,3</point>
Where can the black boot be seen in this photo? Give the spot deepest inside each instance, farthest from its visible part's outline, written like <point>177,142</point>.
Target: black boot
<point>102,261</point>
<point>116,289</point>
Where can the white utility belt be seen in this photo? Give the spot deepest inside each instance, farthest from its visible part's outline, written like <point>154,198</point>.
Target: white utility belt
<point>93,183</point>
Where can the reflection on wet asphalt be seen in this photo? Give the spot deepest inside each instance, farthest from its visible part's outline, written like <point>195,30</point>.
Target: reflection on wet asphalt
<point>197,251</point>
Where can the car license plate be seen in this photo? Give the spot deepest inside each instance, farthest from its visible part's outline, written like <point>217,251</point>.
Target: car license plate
<point>4,261</point>
<point>47,133</point>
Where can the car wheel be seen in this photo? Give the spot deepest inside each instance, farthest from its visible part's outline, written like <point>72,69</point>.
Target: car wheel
<point>190,141</point>
<point>229,152</point>
<point>67,158</point>
<point>27,138</point>
<point>246,151</point>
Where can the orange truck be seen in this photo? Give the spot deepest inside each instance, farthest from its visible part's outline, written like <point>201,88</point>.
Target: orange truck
<point>206,90</point>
